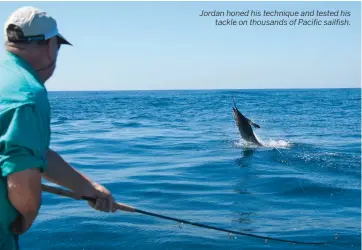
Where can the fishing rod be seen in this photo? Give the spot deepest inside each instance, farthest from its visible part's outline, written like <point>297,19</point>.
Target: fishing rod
<point>127,208</point>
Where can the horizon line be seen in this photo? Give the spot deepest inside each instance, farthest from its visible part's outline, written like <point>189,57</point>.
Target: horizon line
<point>215,89</point>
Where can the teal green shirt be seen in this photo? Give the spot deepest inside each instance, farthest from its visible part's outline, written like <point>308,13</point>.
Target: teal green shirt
<point>24,130</point>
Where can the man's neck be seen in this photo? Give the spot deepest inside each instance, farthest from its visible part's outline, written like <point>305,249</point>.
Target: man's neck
<point>30,61</point>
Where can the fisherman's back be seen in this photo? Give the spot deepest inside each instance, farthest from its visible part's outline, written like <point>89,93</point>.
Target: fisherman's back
<point>24,131</point>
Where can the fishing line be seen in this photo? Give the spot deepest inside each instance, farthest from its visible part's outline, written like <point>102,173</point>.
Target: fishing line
<point>120,206</point>
<point>291,165</point>
<point>299,183</point>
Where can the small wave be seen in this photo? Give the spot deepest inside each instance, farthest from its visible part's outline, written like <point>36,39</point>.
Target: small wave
<point>126,124</point>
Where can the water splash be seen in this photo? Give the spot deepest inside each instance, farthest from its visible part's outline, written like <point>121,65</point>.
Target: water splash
<point>276,144</point>
<point>272,144</point>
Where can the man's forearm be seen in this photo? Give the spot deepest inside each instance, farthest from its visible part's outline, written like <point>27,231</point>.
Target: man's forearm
<point>60,172</point>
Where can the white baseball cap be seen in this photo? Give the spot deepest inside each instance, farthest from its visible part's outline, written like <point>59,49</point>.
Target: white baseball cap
<point>35,25</point>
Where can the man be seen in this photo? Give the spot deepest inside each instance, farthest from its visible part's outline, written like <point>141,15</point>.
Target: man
<point>32,42</point>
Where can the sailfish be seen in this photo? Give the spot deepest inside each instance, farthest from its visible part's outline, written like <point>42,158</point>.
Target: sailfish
<point>245,126</point>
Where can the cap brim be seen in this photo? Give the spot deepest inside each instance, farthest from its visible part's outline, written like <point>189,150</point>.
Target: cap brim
<point>62,40</point>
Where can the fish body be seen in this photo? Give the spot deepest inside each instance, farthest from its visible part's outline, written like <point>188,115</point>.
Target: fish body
<point>244,126</point>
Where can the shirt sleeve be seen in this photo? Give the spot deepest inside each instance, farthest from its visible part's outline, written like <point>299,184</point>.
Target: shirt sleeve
<point>24,143</point>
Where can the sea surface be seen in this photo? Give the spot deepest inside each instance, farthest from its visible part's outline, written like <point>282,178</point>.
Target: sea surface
<point>179,154</point>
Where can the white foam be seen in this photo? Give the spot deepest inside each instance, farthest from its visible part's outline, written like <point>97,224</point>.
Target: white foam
<point>243,144</point>
<point>266,144</point>
<point>276,143</point>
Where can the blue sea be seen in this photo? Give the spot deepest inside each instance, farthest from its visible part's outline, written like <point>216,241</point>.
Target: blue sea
<point>179,154</point>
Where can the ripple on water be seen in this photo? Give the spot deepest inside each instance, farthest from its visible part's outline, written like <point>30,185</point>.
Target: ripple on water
<point>179,154</point>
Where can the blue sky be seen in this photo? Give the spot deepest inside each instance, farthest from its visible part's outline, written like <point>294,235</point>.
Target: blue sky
<point>167,45</point>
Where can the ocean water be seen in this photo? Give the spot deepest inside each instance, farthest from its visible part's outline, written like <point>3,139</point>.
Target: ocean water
<point>179,154</point>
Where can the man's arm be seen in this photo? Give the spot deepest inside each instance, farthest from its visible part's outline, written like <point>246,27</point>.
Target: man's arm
<point>60,172</point>
<point>23,152</point>
<point>24,192</point>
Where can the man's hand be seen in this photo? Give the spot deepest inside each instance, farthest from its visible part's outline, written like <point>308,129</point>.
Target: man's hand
<point>104,199</point>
